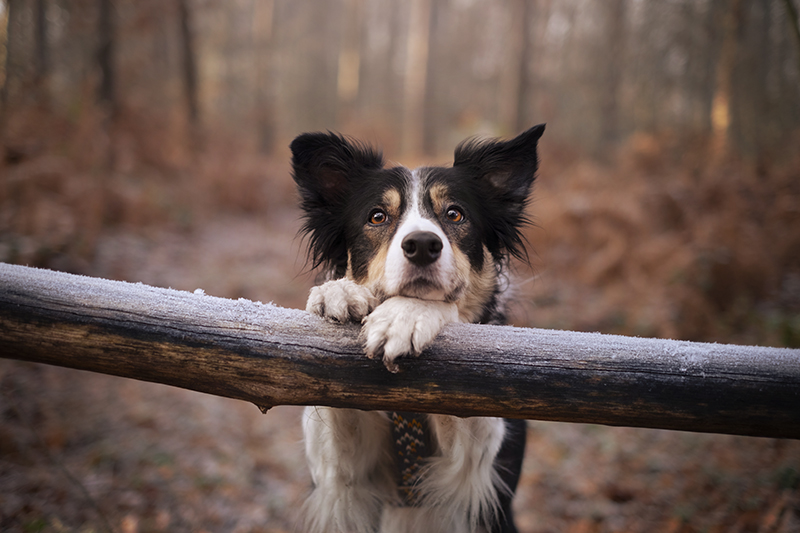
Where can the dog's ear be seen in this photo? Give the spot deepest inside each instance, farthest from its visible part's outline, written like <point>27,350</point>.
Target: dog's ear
<point>507,166</point>
<point>325,166</point>
<point>504,172</point>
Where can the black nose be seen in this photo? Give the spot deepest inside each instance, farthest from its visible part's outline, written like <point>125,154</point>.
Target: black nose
<point>422,247</point>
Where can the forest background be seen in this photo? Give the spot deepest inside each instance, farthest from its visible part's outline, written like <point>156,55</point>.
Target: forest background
<point>147,141</point>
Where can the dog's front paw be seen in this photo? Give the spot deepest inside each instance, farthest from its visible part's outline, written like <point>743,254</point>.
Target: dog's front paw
<point>401,326</point>
<point>341,300</point>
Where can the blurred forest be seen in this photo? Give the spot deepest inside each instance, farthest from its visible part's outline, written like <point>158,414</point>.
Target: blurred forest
<point>146,140</point>
<point>669,191</point>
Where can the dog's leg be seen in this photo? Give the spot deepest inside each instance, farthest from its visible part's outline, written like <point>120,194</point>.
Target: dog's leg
<point>461,478</point>
<point>423,520</point>
<point>402,325</point>
<point>347,452</point>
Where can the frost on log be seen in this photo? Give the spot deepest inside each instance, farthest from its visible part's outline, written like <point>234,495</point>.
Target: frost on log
<point>273,356</point>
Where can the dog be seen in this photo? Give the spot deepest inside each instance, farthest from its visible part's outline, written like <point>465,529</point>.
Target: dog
<point>404,253</point>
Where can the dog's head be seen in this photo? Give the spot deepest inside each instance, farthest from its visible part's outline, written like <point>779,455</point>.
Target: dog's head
<point>432,233</point>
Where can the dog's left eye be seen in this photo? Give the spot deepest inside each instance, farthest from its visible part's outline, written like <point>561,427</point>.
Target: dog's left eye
<point>378,217</point>
<point>454,214</point>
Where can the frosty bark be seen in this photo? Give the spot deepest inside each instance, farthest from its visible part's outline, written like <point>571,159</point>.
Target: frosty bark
<point>270,356</point>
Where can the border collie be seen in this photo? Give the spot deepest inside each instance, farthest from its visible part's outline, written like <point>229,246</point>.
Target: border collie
<point>406,252</point>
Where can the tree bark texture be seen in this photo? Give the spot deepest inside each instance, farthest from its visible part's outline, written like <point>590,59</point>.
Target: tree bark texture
<point>269,356</point>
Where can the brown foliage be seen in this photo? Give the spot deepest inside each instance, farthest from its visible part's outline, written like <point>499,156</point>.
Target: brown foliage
<point>667,246</point>
<point>64,180</point>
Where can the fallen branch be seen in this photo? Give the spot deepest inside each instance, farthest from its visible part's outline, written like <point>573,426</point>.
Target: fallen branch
<point>272,356</point>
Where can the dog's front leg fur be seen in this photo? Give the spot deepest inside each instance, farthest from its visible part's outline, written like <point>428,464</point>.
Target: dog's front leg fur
<point>402,325</point>
<point>346,449</point>
<point>347,452</point>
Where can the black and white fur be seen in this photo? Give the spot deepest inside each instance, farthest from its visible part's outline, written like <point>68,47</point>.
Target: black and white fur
<point>406,252</point>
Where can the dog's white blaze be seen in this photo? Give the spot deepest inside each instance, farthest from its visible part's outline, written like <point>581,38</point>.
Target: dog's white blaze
<point>398,269</point>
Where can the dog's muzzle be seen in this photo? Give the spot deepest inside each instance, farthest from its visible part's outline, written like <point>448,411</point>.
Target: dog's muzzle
<point>422,247</point>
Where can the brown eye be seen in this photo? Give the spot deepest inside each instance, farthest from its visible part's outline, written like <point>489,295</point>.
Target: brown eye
<point>378,217</point>
<point>454,214</point>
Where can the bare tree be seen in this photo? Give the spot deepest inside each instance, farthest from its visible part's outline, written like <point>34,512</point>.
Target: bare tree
<point>429,104</point>
<point>794,24</point>
<point>524,82</point>
<point>424,72</point>
<point>263,30</point>
<point>189,63</point>
<point>616,16</point>
<point>106,31</point>
<point>13,8</point>
<point>724,83</point>
<point>416,71</point>
<point>349,60</point>
<point>42,49</point>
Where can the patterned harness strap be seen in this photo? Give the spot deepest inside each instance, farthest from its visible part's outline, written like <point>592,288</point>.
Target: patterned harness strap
<point>411,438</point>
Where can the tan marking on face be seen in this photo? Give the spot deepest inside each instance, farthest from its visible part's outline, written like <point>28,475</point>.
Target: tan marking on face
<point>460,276</point>
<point>439,197</point>
<point>376,270</point>
<point>391,201</point>
<point>441,201</point>
<point>481,286</point>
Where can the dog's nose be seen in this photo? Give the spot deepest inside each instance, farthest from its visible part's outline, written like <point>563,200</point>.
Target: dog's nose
<point>422,247</point>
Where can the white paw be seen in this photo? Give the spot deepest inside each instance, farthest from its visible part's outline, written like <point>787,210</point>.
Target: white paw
<point>341,300</point>
<point>401,326</point>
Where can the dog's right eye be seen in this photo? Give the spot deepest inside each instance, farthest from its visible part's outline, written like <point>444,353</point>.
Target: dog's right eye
<point>378,217</point>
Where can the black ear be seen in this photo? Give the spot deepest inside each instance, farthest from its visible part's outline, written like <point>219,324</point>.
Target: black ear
<point>508,166</point>
<point>504,171</point>
<point>324,163</point>
<point>325,167</point>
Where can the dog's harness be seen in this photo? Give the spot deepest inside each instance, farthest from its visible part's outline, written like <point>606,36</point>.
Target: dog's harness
<point>412,444</point>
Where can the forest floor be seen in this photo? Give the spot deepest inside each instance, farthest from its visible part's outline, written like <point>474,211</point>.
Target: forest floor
<point>88,452</point>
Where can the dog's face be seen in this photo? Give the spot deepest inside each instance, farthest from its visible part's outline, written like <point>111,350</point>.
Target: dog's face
<point>416,239</point>
<point>434,233</point>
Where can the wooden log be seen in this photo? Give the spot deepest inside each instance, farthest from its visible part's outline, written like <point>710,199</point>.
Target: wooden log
<point>270,356</point>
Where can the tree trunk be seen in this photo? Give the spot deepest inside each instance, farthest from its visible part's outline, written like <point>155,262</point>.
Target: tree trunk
<point>616,18</point>
<point>189,64</point>
<point>105,55</point>
<point>416,70</point>
<point>349,67</point>
<point>524,81</point>
<point>429,105</point>
<point>12,14</point>
<point>794,23</point>
<point>42,51</point>
<point>263,28</point>
<point>723,89</point>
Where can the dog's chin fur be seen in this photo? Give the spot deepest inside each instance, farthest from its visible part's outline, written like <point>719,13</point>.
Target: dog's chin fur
<point>425,289</point>
<point>408,252</point>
